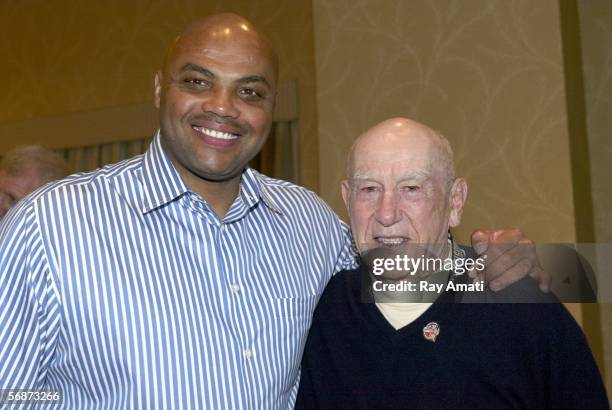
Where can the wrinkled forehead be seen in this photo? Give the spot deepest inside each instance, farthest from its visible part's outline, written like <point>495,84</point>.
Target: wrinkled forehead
<point>389,156</point>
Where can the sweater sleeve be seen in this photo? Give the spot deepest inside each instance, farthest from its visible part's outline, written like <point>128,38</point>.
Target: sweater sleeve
<point>575,381</point>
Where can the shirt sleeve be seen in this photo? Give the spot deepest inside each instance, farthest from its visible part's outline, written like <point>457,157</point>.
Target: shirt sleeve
<point>29,303</point>
<point>348,259</point>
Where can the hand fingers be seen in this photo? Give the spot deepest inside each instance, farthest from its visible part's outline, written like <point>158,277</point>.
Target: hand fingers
<point>510,275</point>
<point>494,242</point>
<point>510,265</point>
<point>503,239</point>
<point>496,250</point>
<point>508,235</point>
<point>543,277</point>
<point>522,249</point>
<point>509,256</point>
<point>480,240</point>
<point>513,265</point>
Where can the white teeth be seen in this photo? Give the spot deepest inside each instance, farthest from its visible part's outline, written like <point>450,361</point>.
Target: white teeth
<point>391,241</point>
<point>217,134</point>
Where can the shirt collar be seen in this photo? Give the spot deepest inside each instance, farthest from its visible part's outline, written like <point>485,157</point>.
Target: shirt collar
<point>163,184</point>
<point>254,188</point>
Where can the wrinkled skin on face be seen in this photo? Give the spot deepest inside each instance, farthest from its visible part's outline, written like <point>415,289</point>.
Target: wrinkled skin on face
<point>398,192</point>
<point>216,98</point>
<point>15,187</point>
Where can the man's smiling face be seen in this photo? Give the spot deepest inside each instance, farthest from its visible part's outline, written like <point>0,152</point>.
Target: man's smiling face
<point>216,99</point>
<point>398,190</point>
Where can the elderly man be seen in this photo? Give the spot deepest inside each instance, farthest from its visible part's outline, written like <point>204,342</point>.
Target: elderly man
<point>180,278</point>
<point>26,168</point>
<point>363,353</point>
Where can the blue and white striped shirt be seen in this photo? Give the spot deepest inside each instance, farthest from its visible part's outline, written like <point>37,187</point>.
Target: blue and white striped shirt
<point>122,289</point>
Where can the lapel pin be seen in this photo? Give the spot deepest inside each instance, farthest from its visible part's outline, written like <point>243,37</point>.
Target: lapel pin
<point>431,331</point>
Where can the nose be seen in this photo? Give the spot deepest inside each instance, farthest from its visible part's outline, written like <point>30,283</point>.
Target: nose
<point>388,210</point>
<point>221,102</point>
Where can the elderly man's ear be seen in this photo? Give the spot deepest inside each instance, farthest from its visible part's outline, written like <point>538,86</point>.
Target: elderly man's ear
<point>458,196</point>
<point>346,191</point>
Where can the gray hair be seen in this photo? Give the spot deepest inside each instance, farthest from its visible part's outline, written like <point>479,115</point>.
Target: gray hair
<point>48,165</point>
<point>447,158</point>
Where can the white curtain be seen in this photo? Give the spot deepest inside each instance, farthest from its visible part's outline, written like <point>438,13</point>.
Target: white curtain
<point>95,156</point>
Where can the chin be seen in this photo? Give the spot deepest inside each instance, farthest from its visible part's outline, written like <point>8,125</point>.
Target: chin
<point>220,176</point>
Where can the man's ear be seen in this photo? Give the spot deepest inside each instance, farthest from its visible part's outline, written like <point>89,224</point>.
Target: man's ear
<point>458,196</point>
<point>346,193</point>
<point>158,87</point>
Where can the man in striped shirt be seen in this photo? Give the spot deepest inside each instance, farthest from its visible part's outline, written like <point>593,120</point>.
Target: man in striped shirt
<point>179,278</point>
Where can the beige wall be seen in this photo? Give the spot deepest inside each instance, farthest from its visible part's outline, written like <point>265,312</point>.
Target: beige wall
<point>67,55</point>
<point>596,36</point>
<point>483,72</point>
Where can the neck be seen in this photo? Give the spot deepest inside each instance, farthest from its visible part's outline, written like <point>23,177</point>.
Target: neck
<point>219,195</point>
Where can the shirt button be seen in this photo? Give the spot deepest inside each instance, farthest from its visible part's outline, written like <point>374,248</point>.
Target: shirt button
<point>235,287</point>
<point>248,353</point>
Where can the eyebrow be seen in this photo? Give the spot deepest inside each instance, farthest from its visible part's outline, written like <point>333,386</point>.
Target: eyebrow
<point>199,69</point>
<point>254,79</point>
<point>210,74</point>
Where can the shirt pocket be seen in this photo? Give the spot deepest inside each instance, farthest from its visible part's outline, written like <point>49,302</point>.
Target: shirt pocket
<point>296,306</point>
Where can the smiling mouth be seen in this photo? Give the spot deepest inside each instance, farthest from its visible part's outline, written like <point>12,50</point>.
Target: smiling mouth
<point>228,136</point>
<point>391,241</point>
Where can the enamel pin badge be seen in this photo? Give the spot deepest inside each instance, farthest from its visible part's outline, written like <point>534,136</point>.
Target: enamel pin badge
<point>431,331</point>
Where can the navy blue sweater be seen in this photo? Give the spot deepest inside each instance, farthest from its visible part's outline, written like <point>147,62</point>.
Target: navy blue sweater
<point>486,356</point>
